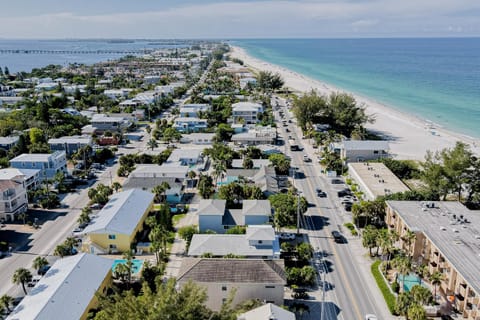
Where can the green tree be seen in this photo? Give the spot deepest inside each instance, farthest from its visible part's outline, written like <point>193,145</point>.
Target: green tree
<point>36,135</point>
<point>186,233</point>
<point>116,186</point>
<point>280,163</point>
<point>285,206</point>
<point>369,238</point>
<point>223,133</point>
<point>7,301</point>
<point>152,143</point>
<point>247,163</point>
<point>39,263</point>
<point>421,295</point>
<point>436,279</point>
<point>205,186</point>
<point>171,134</point>
<point>403,266</point>
<point>236,230</point>
<point>306,108</point>
<point>416,312</point>
<point>269,81</point>
<point>61,250</point>
<point>22,276</point>
<point>403,303</point>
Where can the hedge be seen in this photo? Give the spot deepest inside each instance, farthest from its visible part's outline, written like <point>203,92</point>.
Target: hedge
<point>387,294</point>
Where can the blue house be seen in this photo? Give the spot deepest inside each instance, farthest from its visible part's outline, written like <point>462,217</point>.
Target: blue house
<point>49,164</point>
<point>187,125</point>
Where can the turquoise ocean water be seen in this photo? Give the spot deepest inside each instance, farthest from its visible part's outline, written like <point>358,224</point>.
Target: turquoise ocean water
<point>434,79</point>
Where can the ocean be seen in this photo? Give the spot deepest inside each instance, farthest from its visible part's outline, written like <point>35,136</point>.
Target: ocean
<point>26,62</point>
<point>435,79</point>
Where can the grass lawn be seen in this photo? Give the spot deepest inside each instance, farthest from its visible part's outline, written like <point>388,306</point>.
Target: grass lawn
<point>176,218</point>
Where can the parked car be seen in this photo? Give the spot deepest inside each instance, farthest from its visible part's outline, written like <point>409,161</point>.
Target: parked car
<point>34,281</point>
<point>322,194</point>
<point>287,236</point>
<point>96,206</point>
<point>336,181</point>
<point>370,317</point>
<point>337,236</point>
<point>43,270</point>
<point>306,158</point>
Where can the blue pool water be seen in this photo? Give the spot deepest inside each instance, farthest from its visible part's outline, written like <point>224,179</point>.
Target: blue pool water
<point>410,280</point>
<point>137,265</point>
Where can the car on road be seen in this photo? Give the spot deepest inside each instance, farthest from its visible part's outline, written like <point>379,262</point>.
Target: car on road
<point>287,130</point>
<point>320,193</point>
<point>336,181</point>
<point>287,236</point>
<point>370,317</point>
<point>337,236</point>
<point>96,206</point>
<point>78,230</point>
<point>306,158</point>
<point>344,192</point>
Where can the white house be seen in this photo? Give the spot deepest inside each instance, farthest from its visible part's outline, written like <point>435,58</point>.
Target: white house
<point>49,164</point>
<point>188,125</point>
<point>7,143</point>
<point>247,111</point>
<point>186,157</point>
<point>361,150</point>
<point>250,278</point>
<point>244,82</point>
<point>193,109</point>
<point>102,123</point>
<point>14,198</point>
<point>30,177</point>
<point>258,242</point>
<point>268,311</point>
<point>198,138</point>
<point>117,93</point>
<point>256,136</point>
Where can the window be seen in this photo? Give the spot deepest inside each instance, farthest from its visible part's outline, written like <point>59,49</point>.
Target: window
<point>270,287</point>
<point>111,237</point>
<point>224,288</point>
<point>113,246</point>
<point>260,241</point>
<point>375,152</point>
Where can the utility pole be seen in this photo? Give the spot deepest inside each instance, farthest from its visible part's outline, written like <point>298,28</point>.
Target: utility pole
<point>298,200</point>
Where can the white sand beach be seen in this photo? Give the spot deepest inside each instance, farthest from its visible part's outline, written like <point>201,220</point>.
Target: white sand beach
<point>410,137</point>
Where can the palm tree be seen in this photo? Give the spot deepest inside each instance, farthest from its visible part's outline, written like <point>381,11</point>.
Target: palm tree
<point>121,272</point>
<point>61,250</point>
<point>83,218</point>
<point>23,216</point>
<point>416,312</point>
<point>403,266</point>
<point>409,238</point>
<point>219,170</point>
<point>191,176</point>
<point>6,301</point>
<point>152,143</point>
<point>22,276</point>
<point>70,242</point>
<point>116,186</point>
<point>158,237</point>
<point>39,263</point>
<point>403,303</point>
<point>436,278</point>
<point>128,256</point>
<point>160,190</point>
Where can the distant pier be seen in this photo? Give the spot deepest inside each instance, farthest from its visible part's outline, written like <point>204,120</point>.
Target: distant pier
<point>72,52</point>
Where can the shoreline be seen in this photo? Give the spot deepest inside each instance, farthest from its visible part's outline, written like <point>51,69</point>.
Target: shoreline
<point>409,135</point>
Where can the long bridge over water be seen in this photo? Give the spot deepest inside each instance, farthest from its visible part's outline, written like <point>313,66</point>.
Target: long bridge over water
<point>70,52</point>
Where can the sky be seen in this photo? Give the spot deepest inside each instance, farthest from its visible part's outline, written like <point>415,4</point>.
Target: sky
<point>159,19</point>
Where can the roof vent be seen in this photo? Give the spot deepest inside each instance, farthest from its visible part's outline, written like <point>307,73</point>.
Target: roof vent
<point>477,237</point>
<point>455,230</point>
<point>443,228</point>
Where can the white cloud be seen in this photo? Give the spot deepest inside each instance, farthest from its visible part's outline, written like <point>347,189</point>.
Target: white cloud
<point>256,19</point>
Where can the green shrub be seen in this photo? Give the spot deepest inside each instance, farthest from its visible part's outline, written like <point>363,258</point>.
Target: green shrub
<point>352,229</point>
<point>395,287</point>
<point>384,288</point>
<point>348,181</point>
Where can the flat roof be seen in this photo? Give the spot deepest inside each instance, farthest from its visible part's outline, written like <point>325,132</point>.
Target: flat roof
<point>223,244</point>
<point>37,157</point>
<point>66,289</point>
<point>185,153</point>
<point>459,242</point>
<point>376,178</point>
<point>365,144</point>
<point>122,213</point>
<point>71,139</point>
<point>9,173</point>
<point>154,170</point>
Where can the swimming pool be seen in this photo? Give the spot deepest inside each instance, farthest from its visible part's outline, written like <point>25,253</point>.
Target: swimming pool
<point>136,265</point>
<point>409,281</point>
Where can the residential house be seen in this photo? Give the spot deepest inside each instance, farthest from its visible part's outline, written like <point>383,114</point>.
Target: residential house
<point>375,179</point>
<point>268,311</point>
<point>192,110</point>
<point>70,144</point>
<point>115,227</point>
<point>7,91</point>
<point>257,163</point>
<point>447,240</point>
<point>68,290</point>
<point>256,136</point>
<point>214,215</point>
<point>258,242</point>
<point>361,150</point>
<point>117,93</point>
<point>244,82</point>
<point>246,112</point>
<point>186,157</point>
<point>198,138</point>
<point>13,199</point>
<point>174,194</point>
<point>151,79</point>
<point>101,123</point>
<point>250,278</point>
<point>31,177</point>
<point>6,143</point>
<point>49,164</point>
<point>188,125</point>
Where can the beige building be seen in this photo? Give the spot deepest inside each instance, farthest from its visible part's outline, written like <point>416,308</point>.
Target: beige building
<point>250,278</point>
<point>375,179</point>
<point>447,240</point>
<point>13,199</point>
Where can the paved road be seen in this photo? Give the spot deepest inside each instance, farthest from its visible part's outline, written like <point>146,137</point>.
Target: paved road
<point>349,289</point>
<point>54,232</point>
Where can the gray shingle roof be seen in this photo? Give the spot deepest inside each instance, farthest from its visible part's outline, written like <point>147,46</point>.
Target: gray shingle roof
<point>268,311</point>
<point>232,271</point>
<point>256,207</point>
<point>212,207</point>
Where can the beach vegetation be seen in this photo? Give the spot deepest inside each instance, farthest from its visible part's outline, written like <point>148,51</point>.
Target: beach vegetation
<point>268,81</point>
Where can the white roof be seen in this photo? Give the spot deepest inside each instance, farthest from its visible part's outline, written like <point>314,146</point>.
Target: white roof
<point>122,213</point>
<point>71,139</point>
<point>154,170</point>
<point>9,173</point>
<point>365,145</point>
<point>66,290</point>
<point>256,207</point>
<point>257,163</point>
<point>267,312</point>
<point>190,153</point>
<point>9,140</point>
<point>37,157</point>
<point>246,106</point>
<point>223,244</point>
